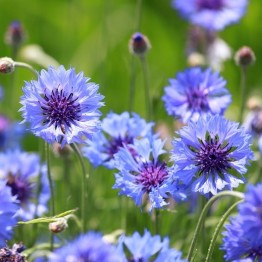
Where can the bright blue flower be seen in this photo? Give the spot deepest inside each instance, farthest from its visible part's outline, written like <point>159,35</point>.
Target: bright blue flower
<point>194,93</point>
<point>211,154</point>
<point>243,236</point>
<point>61,106</point>
<point>21,172</point>
<point>144,248</point>
<point>117,131</point>
<point>213,15</point>
<point>143,173</point>
<point>8,209</point>
<point>89,247</point>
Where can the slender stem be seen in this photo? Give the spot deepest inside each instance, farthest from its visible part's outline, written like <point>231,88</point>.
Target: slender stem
<point>243,92</point>
<point>217,230</point>
<point>27,66</point>
<point>139,14</point>
<point>52,200</point>
<point>157,221</point>
<point>84,185</point>
<point>203,215</point>
<point>146,86</point>
<point>132,84</point>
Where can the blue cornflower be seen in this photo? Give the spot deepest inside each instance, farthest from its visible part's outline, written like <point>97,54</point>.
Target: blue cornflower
<point>61,106</point>
<point>143,173</point>
<point>8,209</point>
<point>213,15</point>
<point>194,93</point>
<point>118,130</point>
<point>211,154</point>
<point>89,247</point>
<point>243,236</point>
<point>21,171</point>
<point>144,248</point>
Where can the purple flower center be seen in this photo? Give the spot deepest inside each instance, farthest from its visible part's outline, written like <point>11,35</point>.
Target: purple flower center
<point>20,188</point>
<point>210,4</point>
<point>152,175</point>
<point>116,143</point>
<point>213,156</point>
<point>60,109</point>
<point>197,100</point>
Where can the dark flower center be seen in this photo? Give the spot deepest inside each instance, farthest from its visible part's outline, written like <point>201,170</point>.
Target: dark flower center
<point>197,100</point>
<point>116,143</point>
<point>213,156</point>
<point>152,175</point>
<point>210,4</point>
<point>60,109</point>
<point>20,188</point>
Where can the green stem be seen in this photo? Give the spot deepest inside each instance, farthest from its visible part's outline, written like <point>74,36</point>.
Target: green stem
<point>52,201</point>
<point>157,221</point>
<point>146,86</point>
<point>243,92</point>
<point>132,84</point>
<point>84,185</point>
<point>217,230</point>
<point>139,14</point>
<point>203,215</point>
<point>27,66</point>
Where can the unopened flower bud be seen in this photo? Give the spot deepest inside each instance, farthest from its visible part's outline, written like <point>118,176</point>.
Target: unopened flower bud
<point>139,44</point>
<point>254,104</point>
<point>7,65</point>
<point>15,34</point>
<point>245,56</point>
<point>58,226</point>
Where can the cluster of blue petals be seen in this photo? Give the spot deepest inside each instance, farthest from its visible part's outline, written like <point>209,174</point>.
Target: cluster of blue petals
<point>211,154</point>
<point>196,92</point>
<point>141,172</point>
<point>117,131</point>
<point>21,172</point>
<point>213,15</point>
<point>243,236</point>
<point>61,106</point>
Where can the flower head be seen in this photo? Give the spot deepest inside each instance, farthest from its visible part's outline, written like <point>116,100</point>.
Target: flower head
<point>211,154</point>
<point>89,247</point>
<point>243,236</point>
<point>14,254</point>
<point>213,15</point>
<point>15,34</point>
<point>142,173</point>
<point>194,93</point>
<point>117,131</point>
<point>143,248</point>
<point>21,171</point>
<point>139,44</point>
<point>61,106</point>
<point>8,209</point>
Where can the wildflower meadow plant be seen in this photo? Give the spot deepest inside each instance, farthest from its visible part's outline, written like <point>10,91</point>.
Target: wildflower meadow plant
<point>87,247</point>
<point>243,236</point>
<point>117,131</point>
<point>61,106</point>
<point>25,175</point>
<point>211,154</point>
<point>8,209</point>
<point>196,92</point>
<point>145,247</point>
<point>135,180</point>
<point>213,15</point>
<point>143,173</point>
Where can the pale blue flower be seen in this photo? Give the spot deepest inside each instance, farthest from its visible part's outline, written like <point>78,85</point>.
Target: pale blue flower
<point>61,106</point>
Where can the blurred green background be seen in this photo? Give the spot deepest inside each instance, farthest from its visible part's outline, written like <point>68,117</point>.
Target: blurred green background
<point>93,37</point>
